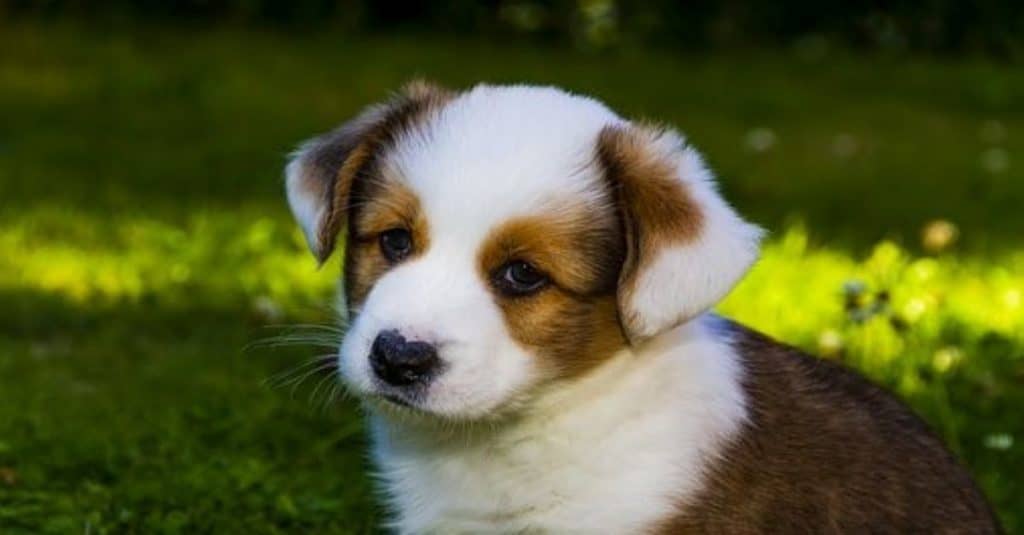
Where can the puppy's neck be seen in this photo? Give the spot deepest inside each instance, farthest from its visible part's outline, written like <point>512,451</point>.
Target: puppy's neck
<point>667,405</point>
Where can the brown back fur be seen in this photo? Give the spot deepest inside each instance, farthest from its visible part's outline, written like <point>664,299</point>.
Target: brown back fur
<point>825,451</point>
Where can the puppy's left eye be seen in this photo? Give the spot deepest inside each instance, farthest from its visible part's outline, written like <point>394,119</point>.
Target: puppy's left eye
<point>519,278</point>
<point>396,244</point>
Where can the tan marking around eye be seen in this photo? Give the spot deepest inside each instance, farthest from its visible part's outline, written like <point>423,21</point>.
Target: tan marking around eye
<point>572,324</point>
<point>563,246</point>
<point>375,202</point>
<point>389,205</point>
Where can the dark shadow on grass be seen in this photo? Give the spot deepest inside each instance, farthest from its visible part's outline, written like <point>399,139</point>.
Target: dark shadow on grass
<point>142,417</point>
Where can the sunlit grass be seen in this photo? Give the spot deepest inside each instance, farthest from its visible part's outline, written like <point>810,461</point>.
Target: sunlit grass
<point>946,332</point>
<point>216,255</point>
<point>906,320</point>
<point>144,243</point>
<point>795,292</point>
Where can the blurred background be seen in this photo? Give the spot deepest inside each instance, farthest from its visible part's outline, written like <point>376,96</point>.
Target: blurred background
<point>145,244</point>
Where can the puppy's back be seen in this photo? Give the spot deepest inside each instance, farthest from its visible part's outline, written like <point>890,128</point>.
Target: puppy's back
<point>824,450</point>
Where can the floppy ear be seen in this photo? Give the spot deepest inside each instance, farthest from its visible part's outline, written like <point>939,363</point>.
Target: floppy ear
<point>686,248</point>
<point>321,172</point>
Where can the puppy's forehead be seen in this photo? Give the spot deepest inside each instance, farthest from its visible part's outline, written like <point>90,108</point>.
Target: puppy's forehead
<point>494,153</point>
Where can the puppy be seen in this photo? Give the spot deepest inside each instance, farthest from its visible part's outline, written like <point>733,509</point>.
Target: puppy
<point>527,277</point>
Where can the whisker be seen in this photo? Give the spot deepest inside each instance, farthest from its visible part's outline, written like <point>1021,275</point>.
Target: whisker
<point>295,383</point>
<point>326,336</point>
<point>322,409</point>
<point>319,385</point>
<point>283,378</point>
<point>301,334</point>
<point>297,340</point>
<point>311,326</point>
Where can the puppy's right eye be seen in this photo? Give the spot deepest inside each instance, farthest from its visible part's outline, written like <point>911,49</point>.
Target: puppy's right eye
<point>395,244</point>
<point>519,278</point>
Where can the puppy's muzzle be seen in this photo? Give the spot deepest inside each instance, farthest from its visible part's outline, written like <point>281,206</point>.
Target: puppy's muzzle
<point>400,362</point>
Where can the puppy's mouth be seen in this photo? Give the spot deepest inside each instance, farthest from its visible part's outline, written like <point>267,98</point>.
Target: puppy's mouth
<point>398,400</point>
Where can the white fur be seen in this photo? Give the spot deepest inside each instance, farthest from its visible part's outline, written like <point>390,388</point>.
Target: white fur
<point>307,205</point>
<point>614,453</point>
<point>688,279</point>
<point>439,299</point>
<point>498,443</point>
<point>490,155</point>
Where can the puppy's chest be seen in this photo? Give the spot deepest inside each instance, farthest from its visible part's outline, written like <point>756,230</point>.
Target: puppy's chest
<point>536,484</point>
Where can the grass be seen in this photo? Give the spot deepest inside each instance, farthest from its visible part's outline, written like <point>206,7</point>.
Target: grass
<point>144,244</point>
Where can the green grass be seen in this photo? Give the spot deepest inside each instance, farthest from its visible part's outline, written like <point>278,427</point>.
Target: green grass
<point>144,244</point>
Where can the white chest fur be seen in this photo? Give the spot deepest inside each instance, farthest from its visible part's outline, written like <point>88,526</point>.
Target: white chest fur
<point>614,452</point>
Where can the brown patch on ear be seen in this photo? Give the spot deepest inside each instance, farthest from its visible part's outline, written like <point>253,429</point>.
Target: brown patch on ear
<point>341,190</point>
<point>656,207</point>
<point>572,323</point>
<point>349,153</point>
<point>388,204</point>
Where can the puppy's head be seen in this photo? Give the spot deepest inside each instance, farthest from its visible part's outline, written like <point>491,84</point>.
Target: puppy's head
<point>505,238</point>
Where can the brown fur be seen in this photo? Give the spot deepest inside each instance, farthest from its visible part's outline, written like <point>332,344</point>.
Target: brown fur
<point>573,323</point>
<point>369,201</point>
<point>391,205</point>
<point>825,451</point>
<point>657,209</point>
<point>335,163</point>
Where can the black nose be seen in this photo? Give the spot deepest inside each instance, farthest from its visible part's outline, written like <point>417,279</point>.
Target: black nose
<point>400,362</point>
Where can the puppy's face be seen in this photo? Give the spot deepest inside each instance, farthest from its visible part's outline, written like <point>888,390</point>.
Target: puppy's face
<point>503,240</point>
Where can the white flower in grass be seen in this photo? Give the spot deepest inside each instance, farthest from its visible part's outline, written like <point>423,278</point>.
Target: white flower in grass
<point>844,146</point>
<point>999,441</point>
<point>938,235</point>
<point>995,160</point>
<point>760,139</point>
<point>267,308</point>
<point>946,358</point>
<point>830,342</point>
